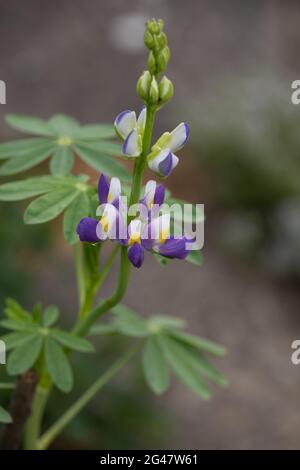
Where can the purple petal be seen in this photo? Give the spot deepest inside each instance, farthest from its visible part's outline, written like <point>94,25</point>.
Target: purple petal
<point>136,255</point>
<point>159,195</point>
<point>187,132</point>
<point>165,166</point>
<point>174,248</point>
<point>103,189</point>
<point>86,230</point>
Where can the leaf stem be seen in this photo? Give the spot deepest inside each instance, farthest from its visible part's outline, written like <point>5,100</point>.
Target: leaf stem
<point>34,423</point>
<point>48,437</point>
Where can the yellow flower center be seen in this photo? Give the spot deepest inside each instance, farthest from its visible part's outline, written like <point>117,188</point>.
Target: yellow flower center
<point>135,238</point>
<point>105,223</point>
<point>163,236</point>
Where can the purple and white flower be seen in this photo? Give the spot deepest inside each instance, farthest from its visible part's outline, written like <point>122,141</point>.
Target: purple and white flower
<point>151,233</point>
<point>162,159</point>
<point>130,129</point>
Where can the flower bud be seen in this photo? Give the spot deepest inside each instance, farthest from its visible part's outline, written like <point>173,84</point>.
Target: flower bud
<point>154,27</point>
<point>163,58</point>
<point>162,38</point>
<point>152,63</point>
<point>154,91</point>
<point>166,90</point>
<point>143,85</point>
<point>161,24</point>
<point>148,39</point>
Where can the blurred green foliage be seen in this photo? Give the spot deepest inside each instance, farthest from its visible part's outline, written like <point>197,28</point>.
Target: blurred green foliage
<point>247,142</point>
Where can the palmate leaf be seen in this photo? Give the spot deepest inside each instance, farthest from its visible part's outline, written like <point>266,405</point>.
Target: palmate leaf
<point>58,365</point>
<point>76,211</point>
<point>102,162</point>
<point>61,135</point>
<point>62,161</point>
<point>5,417</point>
<point>49,206</point>
<point>155,366</point>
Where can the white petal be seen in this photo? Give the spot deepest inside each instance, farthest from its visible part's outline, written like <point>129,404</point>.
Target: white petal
<point>142,119</point>
<point>131,147</point>
<point>162,163</point>
<point>155,161</point>
<point>135,227</point>
<point>179,137</point>
<point>159,228</point>
<point>124,123</point>
<point>106,227</point>
<point>114,189</point>
<point>175,161</point>
<point>149,193</point>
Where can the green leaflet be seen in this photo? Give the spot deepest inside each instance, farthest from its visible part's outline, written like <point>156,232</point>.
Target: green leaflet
<point>72,341</point>
<point>195,257</point>
<point>22,147</point>
<point>128,322</point>
<point>63,124</point>
<point>200,343</point>
<point>25,162</point>
<point>102,163</point>
<point>49,206</point>
<point>18,325</point>
<point>78,209</point>
<point>18,190</point>
<point>102,147</point>
<point>94,132</point>
<point>58,365</point>
<point>155,367</point>
<point>165,322</point>
<point>183,366</point>
<point>32,125</point>
<point>14,311</point>
<point>62,161</point>
<point>50,316</point>
<point>13,340</point>
<point>5,417</point>
<point>24,356</point>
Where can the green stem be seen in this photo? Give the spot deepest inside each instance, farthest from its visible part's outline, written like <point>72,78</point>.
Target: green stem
<point>140,162</point>
<point>48,437</point>
<point>34,423</point>
<point>85,323</point>
<point>79,274</point>
<point>97,282</point>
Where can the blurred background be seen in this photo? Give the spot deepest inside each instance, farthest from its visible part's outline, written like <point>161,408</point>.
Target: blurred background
<point>232,66</point>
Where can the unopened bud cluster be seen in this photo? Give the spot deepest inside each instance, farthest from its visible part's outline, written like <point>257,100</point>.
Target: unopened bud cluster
<point>149,88</point>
